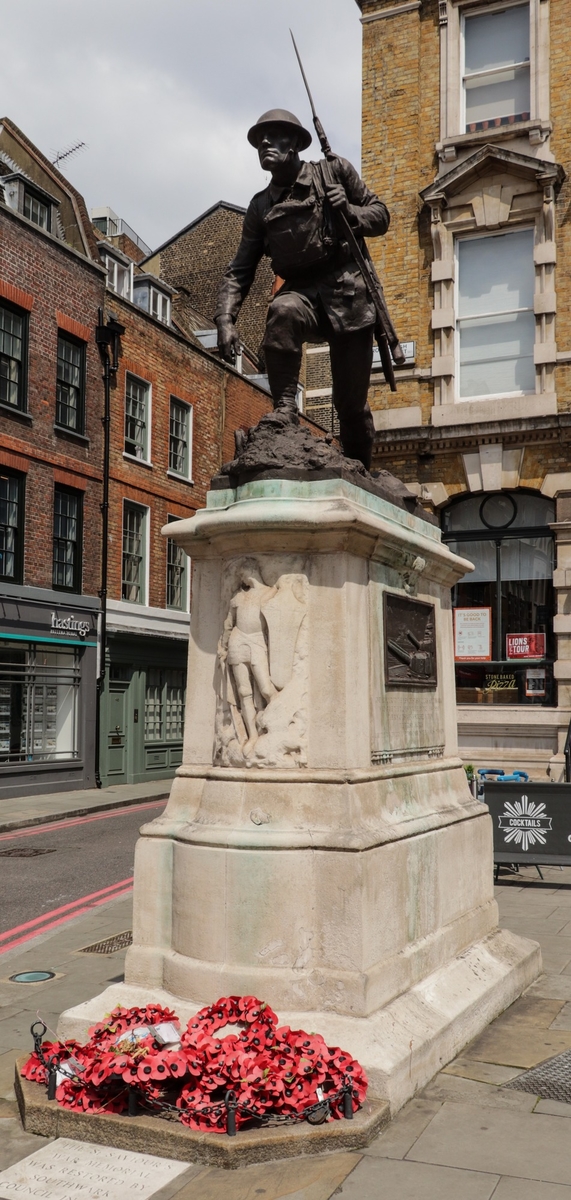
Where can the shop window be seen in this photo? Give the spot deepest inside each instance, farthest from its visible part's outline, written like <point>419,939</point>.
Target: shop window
<point>164,705</point>
<point>11,526</point>
<point>137,417</point>
<point>177,588</point>
<point>180,438</point>
<point>39,692</point>
<point>12,346</point>
<point>133,585</point>
<point>496,323</point>
<point>70,387</point>
<point>503,610</point>
<point>67,540</point>
<point>496,76</point>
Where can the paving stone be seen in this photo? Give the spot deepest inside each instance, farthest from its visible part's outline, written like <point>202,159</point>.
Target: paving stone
<point>15,1144</point>
<point>553,987</point>
<point>65,1169</point>
<point>534,1011</point>
<point>524,1189</point>
<point>7,1061</point>
<point>469,1091</point>
<point>377,1178</point>
<point>563,1018</point>
<point>483,1072</point>
<point>554,1108</point>
<point>555,952</point>
<point>526,1145</point>
<point>522,1046</point>
<point>396,1140</point>
<point>302,1178</point>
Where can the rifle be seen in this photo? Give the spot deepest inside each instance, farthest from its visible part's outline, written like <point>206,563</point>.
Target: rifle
<point>385,333</point>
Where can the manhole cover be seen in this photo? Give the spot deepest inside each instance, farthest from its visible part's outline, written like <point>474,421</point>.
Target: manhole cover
<point>551,1079</point>
<point>26,852</point>
<point>119,942</point>
<point>32,976</point>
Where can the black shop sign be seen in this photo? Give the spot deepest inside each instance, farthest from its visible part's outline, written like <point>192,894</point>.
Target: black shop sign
<point>532,822</point>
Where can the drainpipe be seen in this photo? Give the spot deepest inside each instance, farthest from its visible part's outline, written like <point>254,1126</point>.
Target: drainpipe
<point>107,337</point>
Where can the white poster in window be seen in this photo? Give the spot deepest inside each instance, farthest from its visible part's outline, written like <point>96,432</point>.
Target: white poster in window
<point>472,634</point>
<point>535,681</point>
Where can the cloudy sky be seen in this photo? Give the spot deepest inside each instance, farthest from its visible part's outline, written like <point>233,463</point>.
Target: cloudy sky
<point>164,91</point>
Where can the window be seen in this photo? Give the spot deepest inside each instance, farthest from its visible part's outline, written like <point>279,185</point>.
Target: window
<point>180,438</point>
<point>67,540</point>
<point>496,325</point>
<point>134,553</point>
<point>177,590</point>
<point>118,277</point>
<point>11,526</point>
<point>39,690</point>
<point>36,210</point>
<point>164,705</point>
<point>137,404</point>
<point>70,383</point>
<point>12,332</point>
<point>496,68</point>
<point>507,537</point>
<point>151,299</point>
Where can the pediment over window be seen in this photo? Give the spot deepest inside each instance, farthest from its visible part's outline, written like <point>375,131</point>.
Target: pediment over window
<point>492,187</point>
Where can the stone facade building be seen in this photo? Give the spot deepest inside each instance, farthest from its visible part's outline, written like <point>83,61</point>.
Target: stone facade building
<point>467,136</point>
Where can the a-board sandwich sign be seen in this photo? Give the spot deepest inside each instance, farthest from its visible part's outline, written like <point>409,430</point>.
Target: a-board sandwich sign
<point>532,821</point>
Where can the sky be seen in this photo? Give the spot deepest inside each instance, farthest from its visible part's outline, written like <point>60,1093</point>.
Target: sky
<point>164,91</point>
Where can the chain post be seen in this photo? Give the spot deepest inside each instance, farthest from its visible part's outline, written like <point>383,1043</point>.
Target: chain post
<point>231,1106</point>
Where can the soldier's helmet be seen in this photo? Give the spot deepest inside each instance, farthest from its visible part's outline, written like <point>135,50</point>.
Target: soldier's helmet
<point>279,116</point>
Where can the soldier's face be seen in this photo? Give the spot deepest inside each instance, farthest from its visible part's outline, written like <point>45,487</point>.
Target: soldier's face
<point>277,145</point>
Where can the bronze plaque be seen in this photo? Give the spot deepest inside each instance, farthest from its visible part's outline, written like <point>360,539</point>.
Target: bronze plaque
<point>410,642</point>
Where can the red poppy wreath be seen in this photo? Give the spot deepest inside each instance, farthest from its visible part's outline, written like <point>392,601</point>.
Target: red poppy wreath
<point>258,1069</point>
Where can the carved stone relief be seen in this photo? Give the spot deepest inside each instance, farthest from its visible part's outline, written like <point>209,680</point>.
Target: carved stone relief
<point>261,712</point>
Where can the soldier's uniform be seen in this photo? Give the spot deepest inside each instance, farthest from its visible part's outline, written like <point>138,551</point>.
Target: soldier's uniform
<point>324,297</point>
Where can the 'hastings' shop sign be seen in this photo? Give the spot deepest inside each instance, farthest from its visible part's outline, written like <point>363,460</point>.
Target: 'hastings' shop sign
<point>71,625</point>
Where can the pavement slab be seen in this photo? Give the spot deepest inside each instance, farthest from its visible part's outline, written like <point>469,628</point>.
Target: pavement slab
<point>16,1144</point>
<point>298,1179</point>
<point>503,1142</point>
<point>469,1091</point>
<point>522,1189</point>
<point>553,987</point>
<point>482,1072</point>
<point>374,1179</point>
<point>399,1137</point>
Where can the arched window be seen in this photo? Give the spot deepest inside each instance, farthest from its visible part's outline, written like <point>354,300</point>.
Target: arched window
<point>503,610</point>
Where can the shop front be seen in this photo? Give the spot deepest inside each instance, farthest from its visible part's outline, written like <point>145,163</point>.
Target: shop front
<point>504,643</point>
<point>48,662</point>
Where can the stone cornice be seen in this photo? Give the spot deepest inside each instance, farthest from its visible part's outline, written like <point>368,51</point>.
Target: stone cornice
<point>428,439</point>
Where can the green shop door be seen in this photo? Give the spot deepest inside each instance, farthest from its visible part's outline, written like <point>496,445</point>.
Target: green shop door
<point>116,765</point>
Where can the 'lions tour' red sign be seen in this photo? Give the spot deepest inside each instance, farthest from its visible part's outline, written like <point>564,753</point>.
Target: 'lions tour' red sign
<point>525,645</point>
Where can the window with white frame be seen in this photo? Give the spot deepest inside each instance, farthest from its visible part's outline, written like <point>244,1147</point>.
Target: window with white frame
<point>36,210</point>
<point>134,567</point>
<point>137,414</point>
<point>180,438</point>
<point>151,299</point>
<point>118,277</point>
<point>164,704</point>
<point>495,319</point>
<point>177,574</point>
<point>496,69</point>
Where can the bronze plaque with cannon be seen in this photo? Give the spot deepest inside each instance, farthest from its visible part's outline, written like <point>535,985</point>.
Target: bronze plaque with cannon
<point>410,642</point>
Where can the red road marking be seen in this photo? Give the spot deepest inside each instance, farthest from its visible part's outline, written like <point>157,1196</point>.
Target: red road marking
<point>55,912</point>
<point>61,920</point>
<point>50,826</point>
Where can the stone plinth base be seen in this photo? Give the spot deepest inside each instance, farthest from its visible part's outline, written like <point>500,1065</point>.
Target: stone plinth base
<point>167,1139</point>
<point>401,1046</point>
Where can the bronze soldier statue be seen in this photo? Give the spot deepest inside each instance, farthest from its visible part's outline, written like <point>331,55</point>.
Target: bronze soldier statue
<point>298,222</point>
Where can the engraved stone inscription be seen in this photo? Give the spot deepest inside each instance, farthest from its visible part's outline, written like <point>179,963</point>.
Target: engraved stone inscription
<point>410,642</point>
<point>262,659</point>
<point>68,1169</point>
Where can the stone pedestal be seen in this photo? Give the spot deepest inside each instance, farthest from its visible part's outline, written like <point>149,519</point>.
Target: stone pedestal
<point>321,848</point>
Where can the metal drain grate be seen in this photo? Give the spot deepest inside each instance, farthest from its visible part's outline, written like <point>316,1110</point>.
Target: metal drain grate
<point>110,945</point>
<point>26,852</point>
<point>551,1079</point>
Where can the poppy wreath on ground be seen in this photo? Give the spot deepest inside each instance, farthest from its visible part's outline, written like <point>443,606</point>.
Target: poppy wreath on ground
<point>272,1071</point>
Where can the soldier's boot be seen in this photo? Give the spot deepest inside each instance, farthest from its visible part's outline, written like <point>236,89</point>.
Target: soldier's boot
<point>283,367</point>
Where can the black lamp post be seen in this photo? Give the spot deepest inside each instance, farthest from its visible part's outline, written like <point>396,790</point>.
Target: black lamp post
<point>107,337</point>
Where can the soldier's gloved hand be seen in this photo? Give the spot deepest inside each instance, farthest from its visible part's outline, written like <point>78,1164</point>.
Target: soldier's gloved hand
<point>337,197</point>
<point>228,338</point>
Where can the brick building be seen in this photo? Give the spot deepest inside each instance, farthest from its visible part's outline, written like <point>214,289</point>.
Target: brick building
<point>174,409</point>
<point>51,285</point>
<point>467,136</point>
